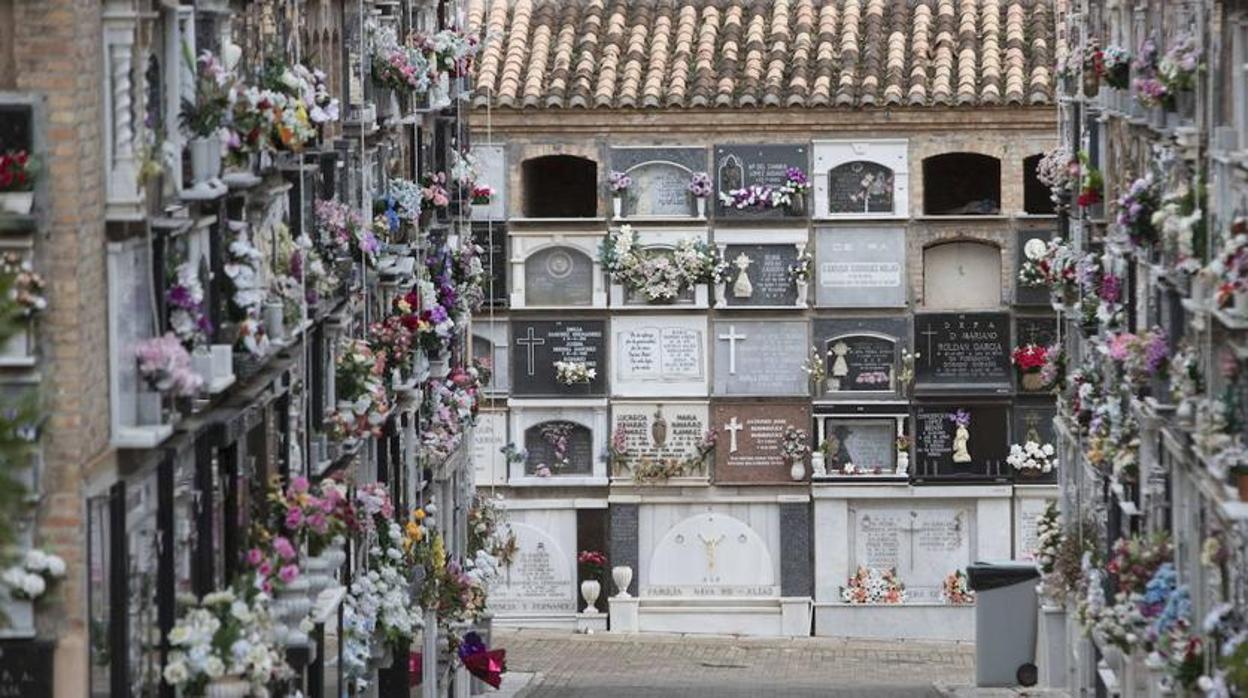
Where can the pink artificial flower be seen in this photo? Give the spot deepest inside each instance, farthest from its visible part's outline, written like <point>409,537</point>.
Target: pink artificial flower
<point>254,556</point>
<point>318,522</point>
<point>284,549</point>
<point>294,518</point>
<point>288,573</point>
<point>265,569</point>
<point>299,485</point>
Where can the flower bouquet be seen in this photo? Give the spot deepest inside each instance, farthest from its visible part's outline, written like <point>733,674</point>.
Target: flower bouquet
<point>397,67</point>
<point>1058,170</point>
<point>954,589</point>
<point>874,586</point>
<point>794,446</point>
<point>482,194</point>
<point>224,638</point>
<point>574,373</point>
<point>1091,183</point>
<point>343,229</point>
<point>659,275</point>
<point>591,563</point>
<point>188,318</point>
<point>363,400</point>
<point>1032,459</point>
<point>1231,268</point>
<point>700,189</point>
<point>34,575</point>
<point>165,366</point>
<point>21,288</point>
<point>799,271</point>
<point>1030,360</point>
<point>789,195</point>
<point>1135,212</point>
<point>1115,67</point>
<point>17,182</point>
<point>1178,67</point>
<point>434,195</point>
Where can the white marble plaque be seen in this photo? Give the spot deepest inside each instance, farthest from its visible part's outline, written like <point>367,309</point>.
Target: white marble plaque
<point>659,355</point>
<point>489,436</point>
<point>658,431</point>
<point>711,555</point>
<point>1027,510</point>
<point>542,578</point>
<point>492,172</point>
<point>923,542</point>
<point>860,267</point>
<point>660,189</point>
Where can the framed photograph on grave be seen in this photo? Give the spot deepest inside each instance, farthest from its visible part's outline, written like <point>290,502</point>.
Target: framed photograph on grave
<point>857,267</point>
<point>861,356</point>
<point>1033,421</point>
<point>762,264</point>
<point>660,181</point>
<point>1030,244</point>
<point>963,353</point>
<point>537,345</point>
<point>766,167</point>
<point>556,271</point>
<point>861,178</point>
<point>760,357</point>
<point>491,343</point>
<point>662,442</point>
<point>489,437</point>
<point>749,436</point>
<point>859,447</point>
<point>559,445</point>
<point>661,241</point>
<point>492,173</point>
<point>492,238</point>
<point>961,441</point>
<point>659,355</point>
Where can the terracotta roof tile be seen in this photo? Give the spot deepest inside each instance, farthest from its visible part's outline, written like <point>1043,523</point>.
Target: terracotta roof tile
<point>762,53</point>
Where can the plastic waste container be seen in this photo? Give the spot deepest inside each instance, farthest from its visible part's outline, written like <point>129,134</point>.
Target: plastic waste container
<point>1005,622</point>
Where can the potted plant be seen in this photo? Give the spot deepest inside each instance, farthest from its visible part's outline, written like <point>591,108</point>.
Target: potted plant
<point>17,182</point>
<point>700,189</point>
<point>203,116</point>
<point>619,183</point>
<point>592,563</point>
<point>21,298</point>
<point>1030,359</point>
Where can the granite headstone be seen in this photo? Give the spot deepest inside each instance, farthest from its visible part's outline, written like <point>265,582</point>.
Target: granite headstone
<point>767,278</point>
<point>978,454</point>
<point>760,357</point>
<point>963,352</point>
<point>749,438</point>
<point>741,166</point>
<point>536,346</point>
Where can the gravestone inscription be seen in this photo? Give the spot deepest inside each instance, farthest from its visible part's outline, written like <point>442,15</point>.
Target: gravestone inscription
<point>860,267</point>
<point>540,580</point>
<point>766,270</point>
<point>489,436</point>
<point>760,357</point>
<point>961,441</point>
<point>559,276</point>
<point>660,189</point>
<point>741,166</point>
<point>536,346</point>
<point>26,668</point>
<point>659,353</point>
<point>963,352</point>
<point>922,543</point>
<point>659,431</point>
<point>860,363</point>
<point>749,439</point>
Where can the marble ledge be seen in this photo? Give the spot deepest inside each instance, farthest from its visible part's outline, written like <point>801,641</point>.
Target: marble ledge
<point>908,491</point>
<point>569,401</point>
<point>513,503</point>
<point>722,494</point>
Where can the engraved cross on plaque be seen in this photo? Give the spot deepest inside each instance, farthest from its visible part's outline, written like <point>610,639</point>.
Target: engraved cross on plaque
<point>733,426</point>
<point>732,338</point>
<point>929,334</point>
<point>529,342</point>
<point>911,529</point>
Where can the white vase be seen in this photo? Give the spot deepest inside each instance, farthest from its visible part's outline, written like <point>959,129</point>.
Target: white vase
<point>817,464</point>
<point>319,573</point>
<point>701,203</point>
<point>274,320</point>
<point>1240,306</point>
<point>19,202</point>
<point>290,606</point>
<point>202,159</point>
<point>590,590</point>
<point>617,206</point>
<point>439,366</point>
<point>336,555</point>
<point>623,576</point>
<point>903,463</point>
<point>797,471</point>
<point>801,292</point>
<point>149,408</point>
<point>227,687</point>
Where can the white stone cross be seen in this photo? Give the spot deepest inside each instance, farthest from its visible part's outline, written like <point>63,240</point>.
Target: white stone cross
<point>732,338</point>
<point>733,426</point>
<point>529,342</point>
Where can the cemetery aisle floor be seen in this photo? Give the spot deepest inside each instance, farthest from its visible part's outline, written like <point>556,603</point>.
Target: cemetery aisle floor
<point>603,665</point>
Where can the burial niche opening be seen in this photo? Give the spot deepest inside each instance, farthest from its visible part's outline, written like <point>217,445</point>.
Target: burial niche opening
<point>961,184</point>
<point>560,186</point>
<point>1036,197</point>
<point>962,274</point>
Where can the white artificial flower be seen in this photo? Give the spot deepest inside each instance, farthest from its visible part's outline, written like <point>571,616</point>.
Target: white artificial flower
<point>214,668</point>
<point>176,672</point>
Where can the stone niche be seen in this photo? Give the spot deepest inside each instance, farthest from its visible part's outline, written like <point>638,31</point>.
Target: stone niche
<point>963,353</point>
<point>489,437</point>
<point>490,340</point>
<point>662,241</point>
<point>1033,421</point>
<point>556,271</point>
<point>858,267</point>
<point>858,447</point>
<point>492,238</point>
<point>741,166</point>
<point>492,172</point>
<point>537,344</point>
<point>946,450</point>
<point>861,357</point>
<point>1035,242</point>
<point>539,588</point>
<point>760,260</point>
<point>659,355</point>
<point>861,179</point>
<point>760,357</point>
<point>749,437</point>
<point>654,432</point>
<point>661,176</point>
<point>560,445</point>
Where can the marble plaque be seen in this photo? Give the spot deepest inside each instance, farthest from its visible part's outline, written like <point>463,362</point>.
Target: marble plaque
<point>493,243</point>
<point>537,344</point>
<point>660,355</point>
<point>749,436</point>
<point>489,437</point>
<point>860,363</point>
<point>861,187</point>
<point>492,171</point>
<point>542,579</point>
<point>558,447</point>
<point>860,267</point>
<point>1028,511</point>
<point>867,444</point>
<point>490,343</point>
<point>710,555</point>
<point>923,542</point>
<point>963,352</point>
<point>761,357</point>
<point>659,431</point>
<point>1023,294</point>
<point>740,166</point>
<point>766,270</point>
<point>660,189</point>
<point>939,446</point>
<point>559,276</point>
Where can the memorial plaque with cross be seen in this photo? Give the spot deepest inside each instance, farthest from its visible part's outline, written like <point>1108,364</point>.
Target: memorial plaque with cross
<point>537,344</point>
<point>963,353</point>
<point>760,357</point>
<point>741,166</point>
<point>961,441</point>
<point>493,242</point>
<point>749,436</point>
<point>923,542</point>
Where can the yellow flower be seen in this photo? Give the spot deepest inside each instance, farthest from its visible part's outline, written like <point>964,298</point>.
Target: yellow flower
<point>439,553</point>
<point>414,531</point>
<point>419,514</point>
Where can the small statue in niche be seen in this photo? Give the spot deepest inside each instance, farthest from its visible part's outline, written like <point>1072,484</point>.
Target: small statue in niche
<point>658,429</point>
<point>840,368</point>
<point>742,288</point>
<point>961,436</point>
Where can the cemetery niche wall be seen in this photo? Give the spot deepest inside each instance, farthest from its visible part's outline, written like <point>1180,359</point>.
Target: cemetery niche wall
<point>659,355</point>
<point>660,182</point>
<point>862,358</point>
<point>664,242</point>
<point>767,268</point>
<point>861,179</point>
<point>760,357</point>
<point>556,270</point>
<point>558,446</point>
<point>761,181</point>
<point>655,443</point>
<point>860,267</point>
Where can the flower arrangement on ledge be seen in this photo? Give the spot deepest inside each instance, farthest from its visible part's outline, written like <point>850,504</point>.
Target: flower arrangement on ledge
<point>450,407</point>
<point>1136,207</point>
<point>761,197</point>
<point>20,286</point>
<point>574,373</point>
<point>1032,458</point>
<point>34,575</point>
<point>1030,360</point>
<point>225,637</point>
<point>874,586</point>
<point>1091,183</point>
<point>618,182</point>
<point>363,401</point>
<point>1055,266</point>
<point>188,318</point>
<point>17,181</point>
<point>482,194</point>
<point>794,445</point>
<point>1058,169</point>
<point>165,366</point>
<point>1141,356</point>
<point>1230,267</point>
<point>1181,225</point>
<point>345,232</point>
<point>1114,67</point>
<point>487,529</point>
<point>648,471</point>
<point>449,51</point>
<point>397,67</point>
<point>954,589</point>
<point>659,275</point>
<point>700,185</point>
<point>800,270</point>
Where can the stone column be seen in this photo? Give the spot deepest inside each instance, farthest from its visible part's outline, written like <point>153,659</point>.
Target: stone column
<point>797,575</point>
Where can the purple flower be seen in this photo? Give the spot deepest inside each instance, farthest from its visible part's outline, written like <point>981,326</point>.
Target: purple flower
<point>437,314</point>
<point>180,296</point>
<point>1111,288</point>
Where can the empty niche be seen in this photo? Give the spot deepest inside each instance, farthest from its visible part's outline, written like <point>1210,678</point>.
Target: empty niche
<point>962,274</point>
<point>1037,200</point>
<point>961,184</point>
<point>560,186</point>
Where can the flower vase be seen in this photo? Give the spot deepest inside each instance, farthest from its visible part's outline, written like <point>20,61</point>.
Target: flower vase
<point>319,573</point>
<point>202,159</point>
<point>1033,381</point>
<point>903,463</point>
<point>797,205</point>
<point>817,465</point>
<point>801,293</point>
<point>19,202</point>
<point>227,687</point>
<point>291,604</point>
<point>149,408</point>
<point>274,320</point>
<point>1240,298</point>
<point>622,575</point>
<point>17,346</point>
<point>1091,83</point>
<point>439,366</point>
<point>797,470</point>
<point>590,590</point>
<point>385,103</point>
<point>700,202</point>
<point>617,206</point>
<point>201,364</point>
<point>336,554</point>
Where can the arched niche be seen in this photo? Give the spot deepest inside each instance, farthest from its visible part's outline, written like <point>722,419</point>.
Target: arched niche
<point>860,362</point>
<point>711,549</point>
<point>660,189</point>
<point>559,446</point>
<point>559,275</point>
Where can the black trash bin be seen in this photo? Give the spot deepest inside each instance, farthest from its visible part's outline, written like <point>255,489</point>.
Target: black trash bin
<point>1005,622</point>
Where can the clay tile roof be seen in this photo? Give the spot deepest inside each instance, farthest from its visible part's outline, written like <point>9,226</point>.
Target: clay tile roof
<point>649,54</point>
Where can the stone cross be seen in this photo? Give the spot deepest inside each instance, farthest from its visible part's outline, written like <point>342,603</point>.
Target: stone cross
<point>529,342</point>
<point>732,338</point>
<point>733,426</point>
<point>912,529</point>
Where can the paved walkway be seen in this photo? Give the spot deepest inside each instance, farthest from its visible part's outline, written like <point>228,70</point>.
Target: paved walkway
<point>546,664</point>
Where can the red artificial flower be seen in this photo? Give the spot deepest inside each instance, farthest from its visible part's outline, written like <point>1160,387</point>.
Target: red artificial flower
<point>1029,357</point>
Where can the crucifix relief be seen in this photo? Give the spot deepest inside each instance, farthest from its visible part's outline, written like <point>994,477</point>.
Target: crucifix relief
<point>733,426</point>
<point>709,548</point>
<point>732,338</point>
<point>529,342</point>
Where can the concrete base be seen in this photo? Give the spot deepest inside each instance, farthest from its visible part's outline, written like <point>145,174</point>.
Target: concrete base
<point>760,617</point>
<point>560,621</point>
<point>591,622</point>
<point>624,612</point>
<point>892,622</point>
<point>795,617</point>
<point>1051,651</point>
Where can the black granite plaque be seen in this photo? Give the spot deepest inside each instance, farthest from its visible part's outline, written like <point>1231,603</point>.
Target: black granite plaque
<point>860,186</point>
<point>559,276</point>
<point>963,352</point>
<point>740,166</point>
<point>766,269</point>
<point>537,344</point>
<point>939,445</point>
<point>26,668</point>
<point>493,244</point>
<point>1024,294</point>
<point>860,363</point>
<point>1033,421</point>
<point>558,447</point>
<point>1035,330</point>
<point>867,444</point>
